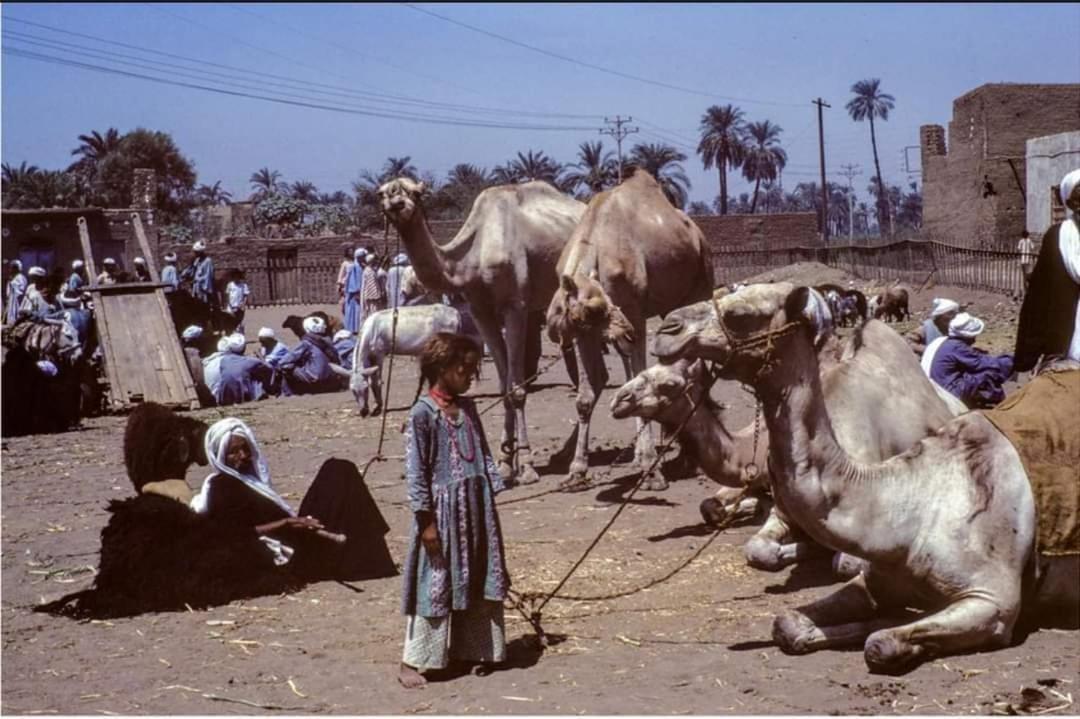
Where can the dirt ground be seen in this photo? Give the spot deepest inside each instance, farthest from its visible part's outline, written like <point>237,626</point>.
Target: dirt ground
<point>697,643</point>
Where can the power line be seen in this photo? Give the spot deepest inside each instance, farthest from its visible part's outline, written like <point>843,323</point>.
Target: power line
<point>367,95</point>
<point>591,66</point>
<point>268,98</point>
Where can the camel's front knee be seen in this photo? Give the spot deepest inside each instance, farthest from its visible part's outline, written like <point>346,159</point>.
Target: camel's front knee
<point>584,404</point>
<point>794,633</point>
<point>763,553</point>
<point>517,396</point>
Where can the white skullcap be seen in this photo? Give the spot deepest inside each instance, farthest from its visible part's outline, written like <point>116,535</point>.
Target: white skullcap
<point>140,261</point>
<point>236,343</point>
<point>342,335</point>
<point>266,332</point>
<point>1068,183</point>
<point>36,271</point>
<point>17,264</point>
<point>965,326</point>
<point>359,253</point>
<point>192,332</point>
<point>401,259</point>
<point>314,324</point>
<point>199,246</point>
<point>223,344</point>
<point>109,261</point>
<point>77,265</point>
<point>170,257</point>
<point>943,306</point>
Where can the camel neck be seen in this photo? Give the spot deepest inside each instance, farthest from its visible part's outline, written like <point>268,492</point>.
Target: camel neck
<point>427,257</point>
<point>717,452</point>
<point>829,496</point>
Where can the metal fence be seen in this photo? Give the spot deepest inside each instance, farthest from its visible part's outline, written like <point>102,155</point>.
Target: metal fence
<point>909,261</point>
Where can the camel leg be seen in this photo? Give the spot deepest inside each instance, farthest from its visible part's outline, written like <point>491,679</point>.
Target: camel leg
<point>844,618</point>
<point>727,503</point>
<point>376,388</point>
<point>974,622</point>
<point>596,376</point>
<point>490,330</point>
<point>570,360</point>
<point>772,548</point>
<point>644,439</point>
<point>516,322</point>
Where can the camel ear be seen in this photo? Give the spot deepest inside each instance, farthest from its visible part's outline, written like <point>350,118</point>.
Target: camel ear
<point>368,371</point>
<point>808,304</point>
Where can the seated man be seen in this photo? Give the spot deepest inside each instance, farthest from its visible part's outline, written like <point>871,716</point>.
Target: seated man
<point>306,368</point>
<point>243,379</point>
<point>345,343</point>
<point>271,349</point>
<point>190,341</point>
<point>969,374</point>
<point>942,312</point>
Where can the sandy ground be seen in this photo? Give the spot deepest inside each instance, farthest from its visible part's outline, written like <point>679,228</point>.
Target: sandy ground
<point>696,643</point>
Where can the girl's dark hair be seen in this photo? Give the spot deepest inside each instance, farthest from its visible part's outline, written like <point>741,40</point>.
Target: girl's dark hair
<point>441,351</point>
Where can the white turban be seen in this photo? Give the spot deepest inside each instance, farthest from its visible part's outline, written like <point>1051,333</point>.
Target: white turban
<point>77,265</point>
<point>37,272</point>
<point>965,326</point>
<point>140,261</point>
<point>47,368</point>
<point>1068,183</point>
<point>314,324</point>
<point>192,332</point>
<point>943,306</point>
<point>223,344</point>
<point>266,332</point>
<point>359,253</point>
<point>108,261</point>
<point>401,260</point>
<point>17,265</point>
<point>236,343</point>
<point>342,335</point>
<point>217,444</point>
<point>199,246</point>
<point>170,257</point>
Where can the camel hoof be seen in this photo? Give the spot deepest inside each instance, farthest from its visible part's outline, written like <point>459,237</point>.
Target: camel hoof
<point>793,633</point>
<point>527,475</point>
<point>885,653</point>
<point>846,566</point>
<point>654,483</point>
<point>575,483</point>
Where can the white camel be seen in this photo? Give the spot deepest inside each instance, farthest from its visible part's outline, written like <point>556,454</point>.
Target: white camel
<point>948,526</point>
<point>378,338</point>
<point>503,261</point>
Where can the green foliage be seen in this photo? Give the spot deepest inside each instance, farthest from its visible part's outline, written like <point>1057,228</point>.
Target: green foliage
<point>663,163</point>
<point>174,174</point>
<point>335,218</point>
<point>177,233</point>
<point>722,143</point>
<point>282,210</point>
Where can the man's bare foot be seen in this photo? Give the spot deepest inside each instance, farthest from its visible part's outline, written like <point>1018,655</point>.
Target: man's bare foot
<point>409,678</point>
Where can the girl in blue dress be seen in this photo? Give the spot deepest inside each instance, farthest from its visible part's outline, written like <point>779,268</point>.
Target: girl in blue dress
<point>455,574</point>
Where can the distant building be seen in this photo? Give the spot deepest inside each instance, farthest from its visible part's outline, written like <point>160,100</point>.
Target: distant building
<point>1049,159</point>
<point>975,189</point>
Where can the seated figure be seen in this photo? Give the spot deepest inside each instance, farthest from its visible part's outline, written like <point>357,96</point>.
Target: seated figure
<point>970,374</point>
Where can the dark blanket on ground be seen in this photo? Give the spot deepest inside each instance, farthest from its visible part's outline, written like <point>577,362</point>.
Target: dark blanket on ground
<point>1042,420</point>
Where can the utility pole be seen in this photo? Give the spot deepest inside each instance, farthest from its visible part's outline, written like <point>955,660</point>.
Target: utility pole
<point>619,132</point>
<point>824,188</point>
<point>851,172</point>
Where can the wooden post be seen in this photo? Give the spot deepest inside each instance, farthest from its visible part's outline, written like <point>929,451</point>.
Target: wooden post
<point>140,235</point>
<point>88,253</point>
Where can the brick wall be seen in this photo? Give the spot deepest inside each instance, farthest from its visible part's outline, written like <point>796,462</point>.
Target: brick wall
<point>759,232</point>
<point>989,128</point>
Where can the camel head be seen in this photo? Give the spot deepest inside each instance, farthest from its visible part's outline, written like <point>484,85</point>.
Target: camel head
<point>400,198</point>
<point>742,342</point>
<point>656,388</point>
<point>581,305</point>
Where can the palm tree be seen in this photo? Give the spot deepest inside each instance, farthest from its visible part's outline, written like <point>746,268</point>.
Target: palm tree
<point>722,143</point>
<point>304,191</point>
<point>534,166</point>
<point>265,181</point>
<point>212,194</point>
<point>764,156</point>
<point>662,162</point>
<point>463,184</point>
<point>95,146</point>
<point>595,170</point>
<point>697,207</point>
<point>870,102</point>
<point>16,182</point>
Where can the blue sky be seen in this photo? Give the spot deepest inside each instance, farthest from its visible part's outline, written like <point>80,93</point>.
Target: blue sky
<point>769,60</point>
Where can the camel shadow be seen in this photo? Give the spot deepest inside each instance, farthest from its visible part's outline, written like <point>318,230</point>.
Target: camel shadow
<point>701,529</point>
<point>805,575</point>
<point>621,486</point>
<point>559,462</point>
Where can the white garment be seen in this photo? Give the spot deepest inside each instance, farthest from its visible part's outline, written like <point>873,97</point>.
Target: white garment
<point>1026,248</point>
<point>237,292</point>
<point>927,360</point>
<point>1069,245</point>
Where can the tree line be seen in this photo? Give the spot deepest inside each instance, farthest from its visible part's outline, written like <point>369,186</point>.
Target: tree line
<point>102,170</point>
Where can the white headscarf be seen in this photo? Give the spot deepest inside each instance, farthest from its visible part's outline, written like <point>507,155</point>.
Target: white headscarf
<point>314,324</point>
<point>17,264</point>
<point>966,326</point>
<point>1068,184</point>
<point>77,265</point>
<point>266,333</point>
<point>199,246</point>
<point>359,253</point>
<point>170,257</point>
<point>943,306</point>
<point>192,332</point>
<point>223,344</point>
<point>342,335</point>
<point>140,261</point>
<point>109,261</point>
<point>217,444</point>
<point>37,272</point>
<point>1069,246</point>
<point>401,259</point>
<point>235,343</point>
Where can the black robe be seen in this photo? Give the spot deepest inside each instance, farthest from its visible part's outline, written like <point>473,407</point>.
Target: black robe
<point>1048,315</point>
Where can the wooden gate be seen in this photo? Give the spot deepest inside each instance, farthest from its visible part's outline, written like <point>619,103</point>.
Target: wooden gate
<point>282,276</point>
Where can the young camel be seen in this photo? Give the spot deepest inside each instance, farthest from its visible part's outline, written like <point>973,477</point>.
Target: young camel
<point>947,527</point>
<point>632,256</point>
<point>503,261</point>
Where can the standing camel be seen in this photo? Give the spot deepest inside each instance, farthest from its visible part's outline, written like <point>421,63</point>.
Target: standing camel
<point>631,257</point>
<point>503,261</point>
<point>947,527</point>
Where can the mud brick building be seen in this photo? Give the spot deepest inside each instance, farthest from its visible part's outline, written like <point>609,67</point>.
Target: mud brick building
<point>1049,159</point>
<point>986,142</point>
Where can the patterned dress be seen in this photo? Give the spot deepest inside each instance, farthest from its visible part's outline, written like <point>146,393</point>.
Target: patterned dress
<point>451,474</point>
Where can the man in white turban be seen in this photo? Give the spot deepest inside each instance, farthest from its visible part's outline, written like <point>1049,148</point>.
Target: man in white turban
<point>345,343</point>
<point>942,311</point>
<point>15,291</point>
<point>77,279</point>
<point>395,295</point>
<point>1049,327</point>
<point>243,379</point>
<point>36,303</point>
<point>201,275</point>
<point>970,374</point>
<point>307,368</point>
<point>271,349</point>
<point>142,271</point>
<point>169,273</point>
<point>109,268</point>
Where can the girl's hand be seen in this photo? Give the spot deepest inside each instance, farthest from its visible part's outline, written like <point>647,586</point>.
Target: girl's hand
<point>303,523</point>
<point>430,538</point>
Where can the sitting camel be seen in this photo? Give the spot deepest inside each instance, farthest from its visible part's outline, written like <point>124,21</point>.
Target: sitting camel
<point>948,526</point>
<point>632,256</point>
<point>416,325</point>
<point>503,261</point>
